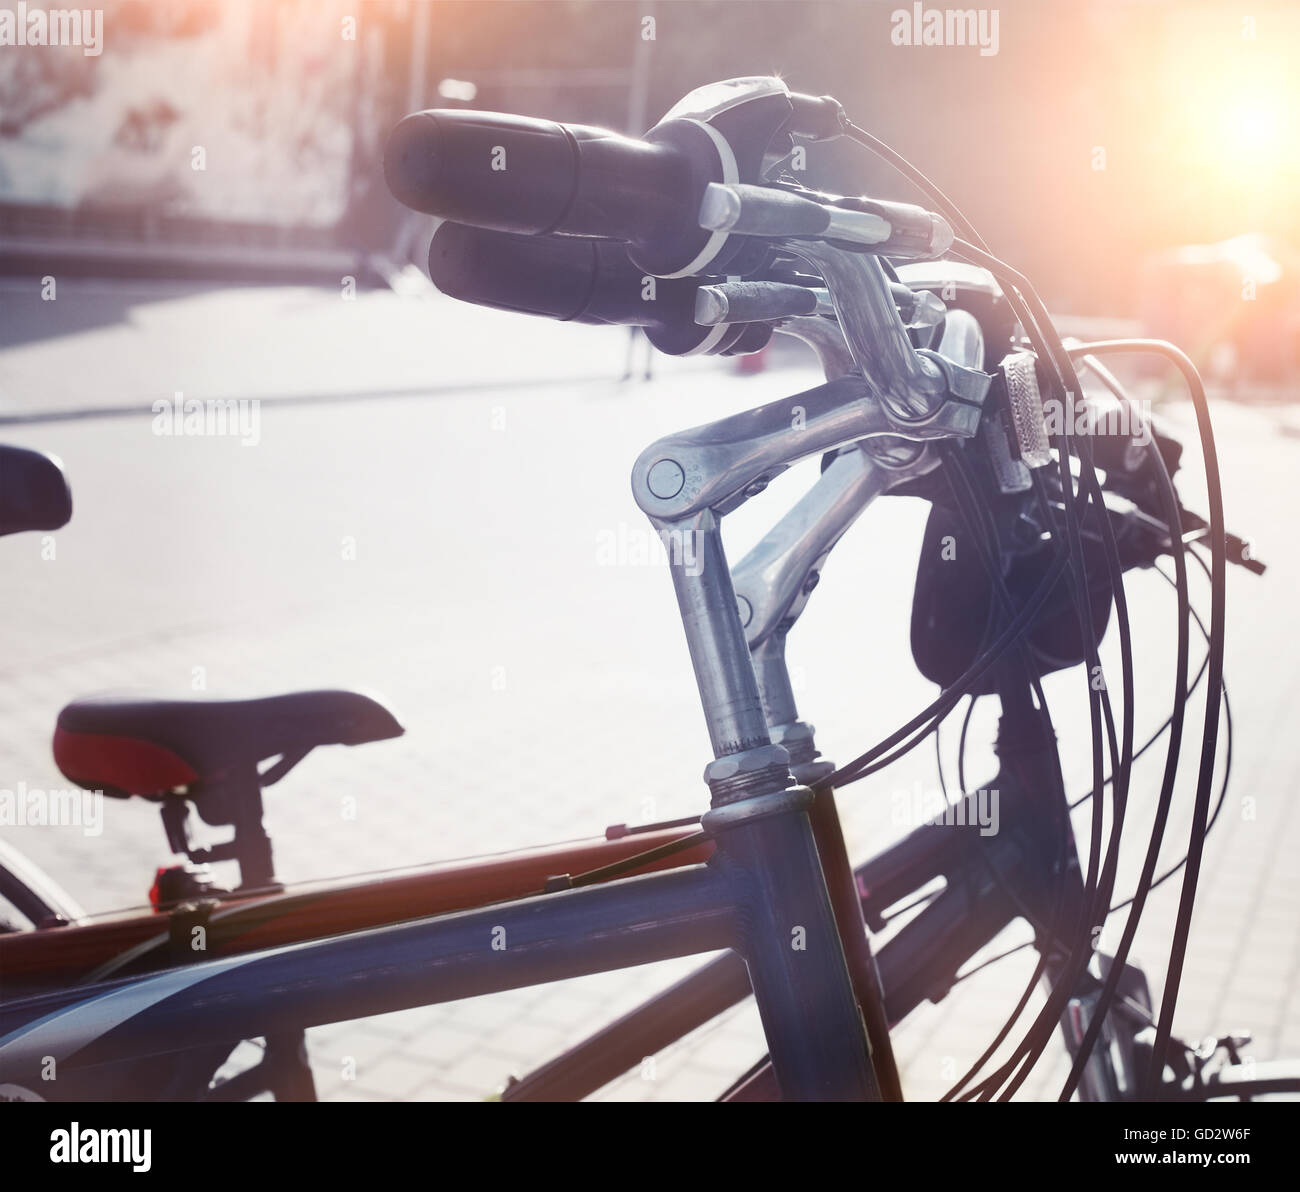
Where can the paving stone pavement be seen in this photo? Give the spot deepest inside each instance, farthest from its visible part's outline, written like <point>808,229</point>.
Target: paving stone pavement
<point>499,599</point>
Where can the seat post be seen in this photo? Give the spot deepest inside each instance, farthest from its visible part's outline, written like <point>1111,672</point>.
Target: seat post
<point>252,844</point>
<point>234,800</point>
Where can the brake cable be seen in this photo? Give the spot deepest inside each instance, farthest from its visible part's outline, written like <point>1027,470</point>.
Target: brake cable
<point>1217,618</point>
<point>1019,303</point>
<point>1219,802</point>
<point>1007,1026</point>
<point>1031,313</point>
<point>1205,777</point>
<point>861,766</point>
<point>1174,743</point>
<point>1119,906</point>
<point>1169,499</point>
<point>991,544</point>
<point>1164,801</point>
<point>946,206</point>
<point>954,459</point>
<point>1040,1032</point>
<point>1192,688</point>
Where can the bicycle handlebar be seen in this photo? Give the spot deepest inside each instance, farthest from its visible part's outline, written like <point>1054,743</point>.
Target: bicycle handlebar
<point>521,174</point>
<point>516,175</point>
<point>592,281</point>
<point>557,277</point>
<point>571,279</point>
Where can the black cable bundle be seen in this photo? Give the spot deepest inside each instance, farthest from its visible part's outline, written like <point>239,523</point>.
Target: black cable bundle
<point>1058,361</point>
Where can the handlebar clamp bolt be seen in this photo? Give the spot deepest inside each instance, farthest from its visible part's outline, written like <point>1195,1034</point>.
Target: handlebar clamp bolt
<point>665,479</point>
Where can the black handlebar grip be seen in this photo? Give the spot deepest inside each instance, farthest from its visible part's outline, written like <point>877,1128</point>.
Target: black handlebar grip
<point>514,173</point>
<point>520,174</point>
<point>558,277</point>
<point>562,277</point>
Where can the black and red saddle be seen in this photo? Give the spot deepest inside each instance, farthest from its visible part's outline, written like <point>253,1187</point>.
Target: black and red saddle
<point>143,744</point>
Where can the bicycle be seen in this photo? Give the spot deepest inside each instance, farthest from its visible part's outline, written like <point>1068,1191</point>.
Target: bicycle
<point>945,379</point>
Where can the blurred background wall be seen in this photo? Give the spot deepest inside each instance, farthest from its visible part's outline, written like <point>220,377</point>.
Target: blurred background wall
<point>1104,148</point>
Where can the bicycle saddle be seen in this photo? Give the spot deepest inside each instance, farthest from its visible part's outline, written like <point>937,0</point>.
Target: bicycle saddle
<point>131,743</point>
<point>34,493</point>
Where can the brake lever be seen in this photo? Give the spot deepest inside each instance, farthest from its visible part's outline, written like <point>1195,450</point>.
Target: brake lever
<point>899,230</point>
<point>742,210</point>
<point>770,300</point>
<point>758,301</point>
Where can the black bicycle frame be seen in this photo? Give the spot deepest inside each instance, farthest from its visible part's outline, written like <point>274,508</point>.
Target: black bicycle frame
<point>988,883</point>
<point>918,964</point>
<point>728,904</point>
<point>764,894</point>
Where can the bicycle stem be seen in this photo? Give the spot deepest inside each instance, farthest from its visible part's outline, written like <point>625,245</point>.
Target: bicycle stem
<point>760,814</point>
